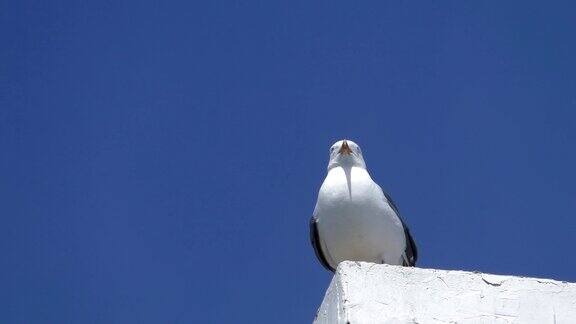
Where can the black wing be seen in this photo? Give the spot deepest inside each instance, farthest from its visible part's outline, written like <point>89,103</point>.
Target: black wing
<point>411,250</point>
<point>315,240</point>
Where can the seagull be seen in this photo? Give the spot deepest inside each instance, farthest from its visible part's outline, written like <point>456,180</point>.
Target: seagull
<point>354,219</point>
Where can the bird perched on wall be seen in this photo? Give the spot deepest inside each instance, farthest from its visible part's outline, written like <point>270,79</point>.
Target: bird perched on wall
<point>354,219</point>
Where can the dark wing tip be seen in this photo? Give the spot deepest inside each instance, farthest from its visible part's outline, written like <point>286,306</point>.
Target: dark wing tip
<point>315,240</point>
<point>411,249</point>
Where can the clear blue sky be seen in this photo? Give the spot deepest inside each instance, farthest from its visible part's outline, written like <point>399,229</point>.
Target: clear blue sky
<point>160,161</point>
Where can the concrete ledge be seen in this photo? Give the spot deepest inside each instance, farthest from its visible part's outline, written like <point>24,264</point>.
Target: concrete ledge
<point>373,293</point>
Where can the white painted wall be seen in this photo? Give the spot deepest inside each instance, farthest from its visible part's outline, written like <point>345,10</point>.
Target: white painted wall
<point>372,293</point>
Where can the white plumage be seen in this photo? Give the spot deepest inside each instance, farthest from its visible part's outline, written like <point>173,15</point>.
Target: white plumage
<point>354,219</point>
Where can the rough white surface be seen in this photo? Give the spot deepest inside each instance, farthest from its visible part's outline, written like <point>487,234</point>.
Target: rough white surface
<point>373,293</point>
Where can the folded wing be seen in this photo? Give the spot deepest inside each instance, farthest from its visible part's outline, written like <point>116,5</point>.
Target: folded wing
<point>411,252</point>
<point>315,240</point>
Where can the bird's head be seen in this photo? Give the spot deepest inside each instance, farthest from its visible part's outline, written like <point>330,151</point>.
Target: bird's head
<point>346,153</point>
